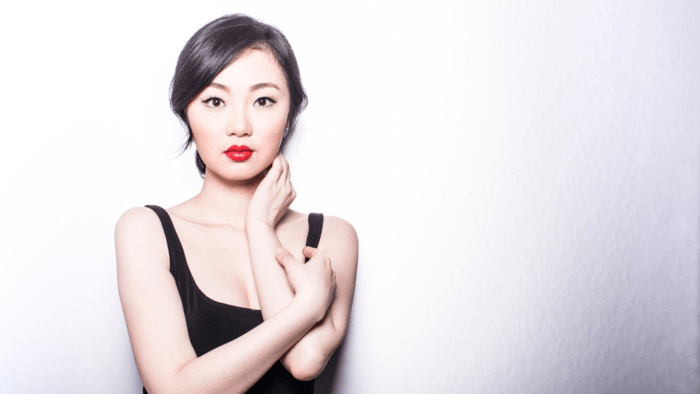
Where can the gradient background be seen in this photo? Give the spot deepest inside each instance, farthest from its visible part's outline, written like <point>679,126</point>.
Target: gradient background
<point>524,178</point>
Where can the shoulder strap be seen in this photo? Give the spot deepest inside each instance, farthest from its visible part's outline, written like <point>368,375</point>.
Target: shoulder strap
<point>315,229</point>
<point>174,245</point>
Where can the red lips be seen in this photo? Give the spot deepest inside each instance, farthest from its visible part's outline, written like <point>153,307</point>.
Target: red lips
<point>239,153</point>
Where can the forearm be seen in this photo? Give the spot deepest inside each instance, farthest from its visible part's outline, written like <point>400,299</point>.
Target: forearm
<point>237,365</point>
<point>274,291</point>
<point>307,358</point>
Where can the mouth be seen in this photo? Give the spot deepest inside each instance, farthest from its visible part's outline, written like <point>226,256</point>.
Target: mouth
<point>239,153</point>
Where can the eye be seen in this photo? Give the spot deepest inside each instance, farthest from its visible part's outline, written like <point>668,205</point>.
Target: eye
<point>213,102</point>
<point>265,101</point>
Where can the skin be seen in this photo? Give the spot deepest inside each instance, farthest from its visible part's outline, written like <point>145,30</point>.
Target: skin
<point>243,246</point>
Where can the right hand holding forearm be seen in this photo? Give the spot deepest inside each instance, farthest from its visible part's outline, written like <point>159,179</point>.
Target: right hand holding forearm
<point>314,282</point>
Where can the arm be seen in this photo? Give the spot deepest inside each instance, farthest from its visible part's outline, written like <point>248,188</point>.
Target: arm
<point>157,328</point>
<point>309,356</point>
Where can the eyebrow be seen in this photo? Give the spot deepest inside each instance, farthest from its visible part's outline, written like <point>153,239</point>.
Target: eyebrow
<point>220,86</point>
<point>264,85</point>
<point>252,88</point>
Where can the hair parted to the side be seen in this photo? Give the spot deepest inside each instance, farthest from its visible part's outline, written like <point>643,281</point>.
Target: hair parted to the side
<point>216,45</point>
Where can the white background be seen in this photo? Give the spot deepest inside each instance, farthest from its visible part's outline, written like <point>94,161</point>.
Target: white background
<point>524,179</point>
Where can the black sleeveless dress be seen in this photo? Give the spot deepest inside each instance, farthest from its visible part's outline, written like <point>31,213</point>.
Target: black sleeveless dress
<point>211,324</point>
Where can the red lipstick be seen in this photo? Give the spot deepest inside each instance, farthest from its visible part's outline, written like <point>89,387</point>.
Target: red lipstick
<point>239,153</point>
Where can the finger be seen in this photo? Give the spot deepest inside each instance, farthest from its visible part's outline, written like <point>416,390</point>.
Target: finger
<point>284,175</point>
<point>292,195</point>
<point>334,291</point>
<point>275,171</point>
<point>283,160</point>
<point>288,173</point>
<point>285,258</point>
<point>310,252</point>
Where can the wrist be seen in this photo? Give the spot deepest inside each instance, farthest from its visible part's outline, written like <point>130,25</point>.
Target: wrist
<point>310,307</point>
<point>253,225</point>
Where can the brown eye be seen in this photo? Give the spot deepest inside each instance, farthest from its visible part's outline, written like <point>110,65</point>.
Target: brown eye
<point>213,102</point>
<point>264,101</point>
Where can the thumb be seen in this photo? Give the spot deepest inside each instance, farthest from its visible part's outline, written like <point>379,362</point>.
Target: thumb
<point>285,258</point>
<point>309,252</point>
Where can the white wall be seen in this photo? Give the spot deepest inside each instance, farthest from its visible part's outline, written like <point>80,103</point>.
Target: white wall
<point>524,178</point>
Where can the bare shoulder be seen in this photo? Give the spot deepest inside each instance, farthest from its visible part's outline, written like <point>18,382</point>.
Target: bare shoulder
<point>136,223</point>
<point>135,217</point>
<point>339,238</point>
<point>338,229</point>
<point>139,232</point>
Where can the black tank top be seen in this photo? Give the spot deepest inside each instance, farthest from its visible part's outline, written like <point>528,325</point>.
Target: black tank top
<point>211,324</point>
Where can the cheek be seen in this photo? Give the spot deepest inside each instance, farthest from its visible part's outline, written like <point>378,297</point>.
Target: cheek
<point>272,128</point>
<point>203,128</point>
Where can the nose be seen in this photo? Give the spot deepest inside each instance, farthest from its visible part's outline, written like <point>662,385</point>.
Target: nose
<point>238,123</point>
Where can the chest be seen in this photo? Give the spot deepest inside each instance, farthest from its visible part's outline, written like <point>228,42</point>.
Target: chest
<point>219,260</point>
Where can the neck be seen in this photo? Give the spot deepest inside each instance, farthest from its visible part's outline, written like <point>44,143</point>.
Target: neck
<point>224,202</point>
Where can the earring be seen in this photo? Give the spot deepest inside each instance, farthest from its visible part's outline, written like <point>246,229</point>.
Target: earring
<point>286,130</point>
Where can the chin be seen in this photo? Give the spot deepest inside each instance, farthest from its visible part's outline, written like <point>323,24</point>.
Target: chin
<point>238,171</point>
<point>236,175</point>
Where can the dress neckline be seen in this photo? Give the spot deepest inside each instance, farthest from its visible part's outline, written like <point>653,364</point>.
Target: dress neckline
<point>199,291</point>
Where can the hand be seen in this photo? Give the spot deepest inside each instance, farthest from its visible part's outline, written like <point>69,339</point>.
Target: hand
<point>273,196</point>
<point>313,282</point>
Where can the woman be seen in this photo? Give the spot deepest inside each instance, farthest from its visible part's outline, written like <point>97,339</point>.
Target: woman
<point>215,292</point>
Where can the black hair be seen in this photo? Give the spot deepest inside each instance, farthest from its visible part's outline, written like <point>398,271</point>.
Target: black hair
<point>218,44</point>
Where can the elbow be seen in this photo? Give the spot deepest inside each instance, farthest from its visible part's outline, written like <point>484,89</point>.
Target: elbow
<point>306,365</point>
<point>305,371</point>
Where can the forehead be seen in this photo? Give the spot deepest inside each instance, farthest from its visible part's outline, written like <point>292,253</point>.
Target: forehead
<point>252,67</point>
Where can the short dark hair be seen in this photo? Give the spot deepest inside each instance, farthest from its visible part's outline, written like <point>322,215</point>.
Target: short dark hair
<point>218,44</point>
